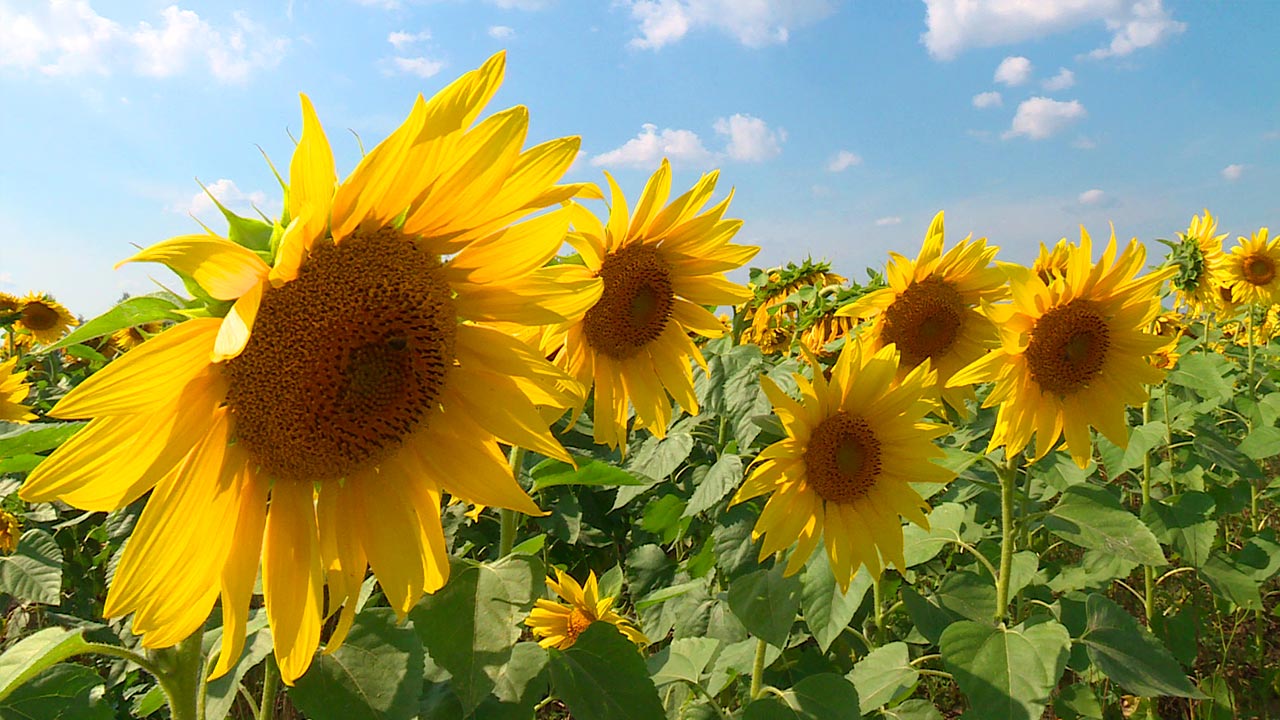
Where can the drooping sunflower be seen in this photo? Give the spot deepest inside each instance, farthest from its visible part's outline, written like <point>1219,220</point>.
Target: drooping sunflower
<point>10,531</point>
<point>44,319</point>
<point>131,337</point>
<point>13,392</point>
<point>558,625</point>
<point>1051,264</point>
<point>772,324</point>
<point>931,308</point>
<point>659,266</point>
<point>316,424</point>
<point>1200,261</point>
<point>1074,352</point>
<point>1253,270</point>
<point>842,474</point>
<point>10,308</point>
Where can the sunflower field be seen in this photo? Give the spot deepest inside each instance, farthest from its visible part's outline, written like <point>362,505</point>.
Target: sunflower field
<point>448,439</point>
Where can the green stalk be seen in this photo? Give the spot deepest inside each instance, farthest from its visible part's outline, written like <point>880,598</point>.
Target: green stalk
<point>507,536</point>
<point>877,598</point>
<point>1008,478</point>
<point>1148,572</point>
<point>757,668</point>
<point>180,673</point>
<point>270,684</point>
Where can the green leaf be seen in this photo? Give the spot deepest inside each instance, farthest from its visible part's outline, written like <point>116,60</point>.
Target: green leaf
<point>1141,440</point>
<point>735,660</point>
<point>29,656</point>
<point>34,571</point>
<point>912,710</point>
<point>825,696</point>
<point>827,610</point>
<point>1260,556</point>
<point>221,693</point>
<point>1205,374</point>
<point>920,546</point>
<point>470,625</point>
<point>766,602</point>
<point>884,674</point>
<point>1213,447</point>
<point>523,680</point>
<point>1231,582</point>
<point>721,479</point>
<point>1094,570</point>
<point>64,692</point>
<point>968,595</point>
<point>731,540</point>
<point>376,674</point>
<point>550,473</point>
<point>1092,518</point>
<point>154,699</point>
<point>36,438</point>
<point>1262,442</point>
<point>1077,702</point>
<point>927,615</point>
<point>129,313</point>
<point>1128,654</point>
<point>1006,672</point>
<point>1186,522</point>
<point>603,676</point>
<point>683,660</point>
<point>657,458</point>
<point>664,517</point>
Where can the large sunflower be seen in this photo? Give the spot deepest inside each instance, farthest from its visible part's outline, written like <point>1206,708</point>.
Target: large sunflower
<point>660,266</point>
<point>44,319</point>
<point>853,445</point>
<point>316,424</point>
<point>13,391</point>
<point>1253,270</point>
<point>558,625</point>
<point>1074,352</point>
<point>1201,263</point>
<point>930,309</point>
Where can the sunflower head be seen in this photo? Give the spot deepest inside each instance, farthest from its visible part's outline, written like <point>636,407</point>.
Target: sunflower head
<point>842,476</point>
<point>558,624</point>
<point>131,337</point>
<point>13,392</point>
<point>1253,270</point>
<point>43,319</point>
<point>1051,264</point>
<point>10,531</point>
<point>1200,261</point>
<point>10,308</point>
<point>1074,352</point>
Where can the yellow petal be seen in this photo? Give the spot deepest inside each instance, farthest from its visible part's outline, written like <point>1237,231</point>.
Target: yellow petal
<point>292,577</point>
<point>311,172</point>
<point>236,326</point>
<point>224,269</point>
<point>241,568</point>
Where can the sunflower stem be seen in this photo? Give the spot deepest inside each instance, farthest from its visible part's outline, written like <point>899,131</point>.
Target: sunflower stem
<point>507,536</point>
<point>1148,572</point>
<point>270,684</point>
<point>757,668</point>
<point>877,600</point>
<point>1008,478</point>
<point>179,670</point>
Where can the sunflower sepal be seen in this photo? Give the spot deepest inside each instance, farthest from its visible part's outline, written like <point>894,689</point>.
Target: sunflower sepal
<point>250,233</point>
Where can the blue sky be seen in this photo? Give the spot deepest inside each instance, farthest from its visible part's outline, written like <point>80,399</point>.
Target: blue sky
<point>844,126</point>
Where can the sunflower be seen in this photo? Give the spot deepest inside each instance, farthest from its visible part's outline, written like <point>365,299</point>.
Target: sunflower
<point>825,329</point>
<point>10,531</point>
<point>44,318</point>
<point>660,266</point>
<point>13,391</point>
<point>10,308</point>
<point>131,337</point>
<point>1253,270</point>
<point>1051,264</point>
<point>1073,352</point>
<point>772,322</point>
<point>930,309</point>
<point>350,383</point>
<point>559,625</point>
<point>1200,261</point>
<point>842,474</point>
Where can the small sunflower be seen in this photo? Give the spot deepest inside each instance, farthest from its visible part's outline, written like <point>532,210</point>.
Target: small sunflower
<point>660,266</point>
<point>44,318</point>
<point>771,322</point>
<point>10,531</point>
<point>10,308</point>
<point>931,308</point>
<point>1200,261</point>
<point>13,392</point>
<point>842,475</point>
<point>825,329</point>
<point>131,337</point>
<point>352,381</point>
<point>1073,352</point>
<point>1051,264</point>
<point>558,625</point>
<point>1253,270</point>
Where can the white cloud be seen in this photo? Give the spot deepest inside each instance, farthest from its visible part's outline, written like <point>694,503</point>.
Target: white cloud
<point>67,37</point>
<point>754,23</point>
<point>419,66</point>
<point>648,148</point>
<point>891,220</point>
<point>958,25</point>
<point>501,32</point>
<point>1013,70</point>
<point>750,138</point>
<point>987,99</point>
<point>383,4</point>
<point>1063,80</point>
<point>1092,197</point>
<point>400,39</point>
<point>519,4</point>
<point>227,193</point>
<point>1232,172</point>
<point>1041,117</point>
<point>843,160</point>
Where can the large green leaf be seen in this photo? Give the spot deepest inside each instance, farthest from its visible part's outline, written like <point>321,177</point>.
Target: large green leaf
<point>1231,582</point>
<point>968,595</point>
<point>827,610</point>
<point>1006,672</point>
<point>825,696</point>
<point>884,674</point>
<point>32,654</point>
<point>62,692</point>
<point>1092,518</point>
<point>731,541</point>
<point>766,602</point>
<point>130,312</point>
<point>34,571</point>
<point>376,674</point>
<point>470,625</point>
<point>221,694</point>
<point>522,682</point>
<point>1186,522</point>
<point>36,438</point>
<point>920,546</point>
<point>721,479</point>
<point>603,676</point>
<point>912,710</point>
<point>684,659</point>
<point>1095,569</point>
<point>1141,440</point>
<point>550,473</point>
<point>1205,374</point>
<point>927,615</point>
<point>1128,654</point>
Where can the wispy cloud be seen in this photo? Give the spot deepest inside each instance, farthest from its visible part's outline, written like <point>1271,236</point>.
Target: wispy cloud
<point>1041,117</point>
<point>886,221</point>
<point>842,161</point>
<point>748,139</point>
<point>1013,70</point>
<point>755,24</point>
<point>988,100</point>
<point>1092,197</point>
<point>1232,172</point>
<point>1063,80</point>
<point>501,32</point>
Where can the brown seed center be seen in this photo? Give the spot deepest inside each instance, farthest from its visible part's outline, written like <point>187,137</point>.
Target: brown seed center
<point>842,460</point>
<point>345,361</point>
<point>1068,347</point>
<point>635,305</point>
<point>925,321</point>
<point>576,623</point>
<point>1259,270</point>
<point>38,316</point>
